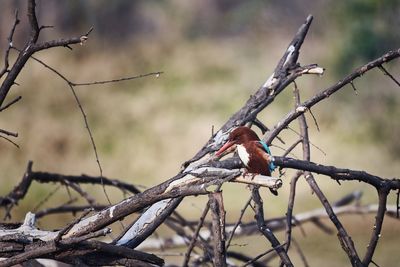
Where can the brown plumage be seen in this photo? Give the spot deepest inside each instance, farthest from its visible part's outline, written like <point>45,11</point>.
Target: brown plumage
<point>251,151</point>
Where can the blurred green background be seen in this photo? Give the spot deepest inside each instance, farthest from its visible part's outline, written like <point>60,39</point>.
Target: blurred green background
<point>214,54</point>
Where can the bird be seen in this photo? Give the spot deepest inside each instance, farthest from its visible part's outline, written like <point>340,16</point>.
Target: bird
<point>254,153</point>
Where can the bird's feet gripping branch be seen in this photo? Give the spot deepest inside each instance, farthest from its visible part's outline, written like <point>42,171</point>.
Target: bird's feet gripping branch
<point>254,154</point>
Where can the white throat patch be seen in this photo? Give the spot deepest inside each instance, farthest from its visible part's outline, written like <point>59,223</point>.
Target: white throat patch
<point>243,155</point>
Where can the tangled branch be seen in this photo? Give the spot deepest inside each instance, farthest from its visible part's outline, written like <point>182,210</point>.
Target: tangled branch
<point>76,243</point>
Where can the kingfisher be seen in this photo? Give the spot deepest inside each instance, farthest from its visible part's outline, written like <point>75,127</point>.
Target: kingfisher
<point>254,153</point>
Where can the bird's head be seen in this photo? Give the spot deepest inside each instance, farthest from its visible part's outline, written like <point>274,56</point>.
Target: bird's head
<point>238,136</point>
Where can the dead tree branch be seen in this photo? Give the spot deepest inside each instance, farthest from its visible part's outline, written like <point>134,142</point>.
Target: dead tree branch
<point>314,217</point>
<point>75,242</point>
<point>10,45</point>
<point>218,228</point>
<point>337,174</point>
<point>256,103</point>
<point>266,231</point>
<point>20,191</point>
<point>31,46</point>
<point>307,105</point>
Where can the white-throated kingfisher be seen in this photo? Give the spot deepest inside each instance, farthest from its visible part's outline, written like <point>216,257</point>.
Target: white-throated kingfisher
<point>254,153</point>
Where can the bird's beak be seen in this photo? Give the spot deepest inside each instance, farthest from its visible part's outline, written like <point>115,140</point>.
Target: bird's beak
<point>227,145</point>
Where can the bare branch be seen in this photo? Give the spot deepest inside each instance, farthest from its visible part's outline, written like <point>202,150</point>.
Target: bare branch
<point>133,235</point>
<point>47,197</point>
<point>255,259</point>
<point>71,86</point>
<point>11,103</point>
<point>388,74</point>
<point>156,74</point>
<point>232,233</point>
<point>266,231</point>
<point>20,190</point>
<point>81,192</point>
<point>327,92</point>
<point>157,203</point>
<point>289,212</point>
<point>274,224</point>
<point>33,23</point>
<point>337,173</point>
<point>218,228</point>
<point>345,239</point>
<point>70,225</point>
<point>376,233</point>
<point>44,177</point>
<point>8,133</point>
<point>10,141</point>
<point>47,177</point>
<point>29,49</point>
<point>67,209</point>
<point>265,94</point>
<point>301,254</point>
<point>196,234</point>
<point>290,149</point>
<point>10,44</point>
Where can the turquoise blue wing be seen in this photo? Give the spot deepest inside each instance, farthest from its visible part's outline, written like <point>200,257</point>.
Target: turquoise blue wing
<point>271,166</point>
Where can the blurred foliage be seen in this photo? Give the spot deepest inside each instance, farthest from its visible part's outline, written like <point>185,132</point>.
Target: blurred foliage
<point>367,30</point>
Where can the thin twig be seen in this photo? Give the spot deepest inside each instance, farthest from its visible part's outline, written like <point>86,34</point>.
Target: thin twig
<point>46,198</point>
<point>388,74</point>
<point>344,238</point>
<point>315,120</point>
<point>196,233</point>
<point>89,131</point>
<point>65,208</point>
<point>301,254</point>
<point>239,220</point>
<point>327,92</point>
<point>289,212</point>
<point>48,177</point>
<point>376,233</point>
<point>71,86</point>
<point>290,149</point>
<point>261,255</point>
<point>10,141</point>
<point>157,74</point>
<point>10,44</point>
<point>259,214</point>
<point>11,103</point>
<point>374,263</point>
<point>265,129</point>
<point>311,143</point>
<point>81,192</point>
<point>353,86</point>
